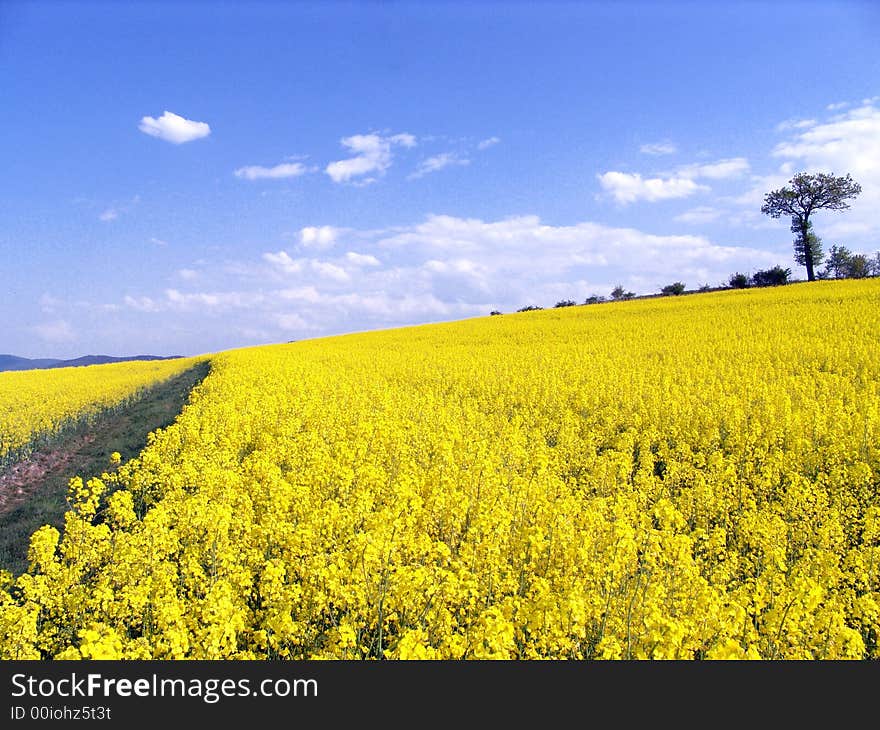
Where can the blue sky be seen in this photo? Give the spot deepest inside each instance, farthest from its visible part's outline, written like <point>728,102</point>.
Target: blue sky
<point>182,178</point>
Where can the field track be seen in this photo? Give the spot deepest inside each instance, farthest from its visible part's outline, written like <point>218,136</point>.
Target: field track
<point>33,492</point>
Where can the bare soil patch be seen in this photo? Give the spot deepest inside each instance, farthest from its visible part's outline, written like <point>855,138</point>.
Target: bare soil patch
<point>21,480</point>
<point>33,492</point>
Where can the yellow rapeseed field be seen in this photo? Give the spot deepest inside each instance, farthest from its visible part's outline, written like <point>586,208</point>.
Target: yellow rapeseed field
<point>685,477</point>
<point>36,404</point>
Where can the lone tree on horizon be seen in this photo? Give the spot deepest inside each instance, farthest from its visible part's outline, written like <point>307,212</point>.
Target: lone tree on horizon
<point>808,193</point>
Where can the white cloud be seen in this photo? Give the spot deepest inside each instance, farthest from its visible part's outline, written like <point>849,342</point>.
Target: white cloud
<point>851,143</point>
<point>854,228</point>
<point>188,274</point>
<point>658,148</point>
<point>790,124</point>
<point>286,169</point>
<point>212,300</point>
<point>56,331</point>
<point>473,261</point>
<point>438,162</point>
<point>447,266</point>
<point>406,140</point>
<point>331,271</point>
<point>457,266</point>
<point>847,143</point>
<point>759,185</point>
<point>630,187</point>
<point>115,211</point>
<point>284,262</point>
<point>158,241</point>
<point>442,268</point>
<point>698,215</point>
<point>838,106</point>
<point>487,143</point>
<point>174,128</point>
<point>319,237</point>
<point>720,170</point>
<point>304,293</point>
<point>502,253</point>
<point>48,303</point>
<point>199,298</point>
<point>255,334</point>
<point>291,322</point>
<point>409,307</point>
<point>142,304</point>
<point>372,154</point>
<point>360,259</point>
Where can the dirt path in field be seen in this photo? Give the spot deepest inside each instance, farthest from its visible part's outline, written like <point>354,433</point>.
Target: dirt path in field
<point>33,492</point>
<point>21,480</point>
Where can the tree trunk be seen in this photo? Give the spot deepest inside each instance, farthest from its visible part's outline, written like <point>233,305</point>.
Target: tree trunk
<point>808,249</point>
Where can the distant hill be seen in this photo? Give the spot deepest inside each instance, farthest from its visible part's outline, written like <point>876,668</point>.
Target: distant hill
<point>13,362</point>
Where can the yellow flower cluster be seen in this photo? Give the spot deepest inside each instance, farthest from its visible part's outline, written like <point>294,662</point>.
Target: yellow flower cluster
<point>679,478</point>
<point>36,404</point>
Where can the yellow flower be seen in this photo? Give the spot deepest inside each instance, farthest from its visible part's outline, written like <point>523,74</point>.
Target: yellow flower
<point>676,478</point>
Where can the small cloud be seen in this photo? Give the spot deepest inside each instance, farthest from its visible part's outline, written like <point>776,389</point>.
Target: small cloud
<point>720,170</point>
<point>487,143</point>
<point>141,304</point>
<point>254,333</point>
<point>304,293</point>
<point>407,140</point>
<point>114,211</point>
<point>286,169</point>
<point>174,128</point>
<point>331,271</point>
<point>630,187</point>
<point>658,148</point>
<point>698,215</point>
<point>158,241</point>
<point>790,124</point>
<point>839,105</point>
<point>453,266</point>
<point>438,162</point>
<point>290,322</point>
<point>58,330</point>
<point>372,154</point>
<point>49,304</point>
<point>318,237</point>
<point>212,300</point>
<point>361,259</point>
<point>188,274</point>
<point>283,261</point>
